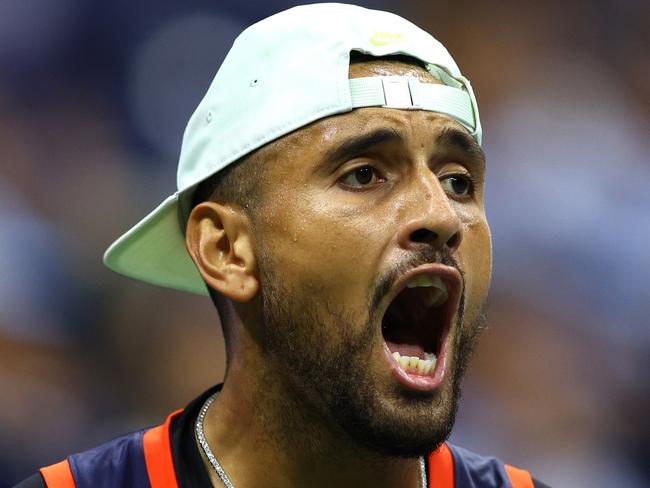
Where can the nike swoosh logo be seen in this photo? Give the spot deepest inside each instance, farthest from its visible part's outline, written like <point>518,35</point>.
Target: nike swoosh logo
<point>384,38</point>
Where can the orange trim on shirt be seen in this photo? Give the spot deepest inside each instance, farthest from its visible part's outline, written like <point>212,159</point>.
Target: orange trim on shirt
<point>158,455</point>
<point>519,478</point>
<point>58,475</point>
<point>441,468</point>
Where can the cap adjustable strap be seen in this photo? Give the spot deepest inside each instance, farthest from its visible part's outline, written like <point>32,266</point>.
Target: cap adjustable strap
<point>407,92</point>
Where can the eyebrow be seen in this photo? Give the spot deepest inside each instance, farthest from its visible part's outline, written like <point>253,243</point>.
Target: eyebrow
<point>355,146</point>
<point>359,144</point>
<point>462,141</point>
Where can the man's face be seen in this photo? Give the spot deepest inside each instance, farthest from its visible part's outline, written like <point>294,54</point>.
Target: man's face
<point>357,207</point>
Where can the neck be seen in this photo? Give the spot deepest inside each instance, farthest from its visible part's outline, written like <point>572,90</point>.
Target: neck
<point>259,430</point>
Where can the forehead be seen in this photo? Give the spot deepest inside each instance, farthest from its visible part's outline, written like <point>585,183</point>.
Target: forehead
<point>315,139</point>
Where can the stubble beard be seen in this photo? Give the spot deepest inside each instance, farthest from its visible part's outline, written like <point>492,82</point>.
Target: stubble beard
<point>321,363</point>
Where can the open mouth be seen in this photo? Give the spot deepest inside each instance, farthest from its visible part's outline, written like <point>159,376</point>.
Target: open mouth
<point>417,322</point>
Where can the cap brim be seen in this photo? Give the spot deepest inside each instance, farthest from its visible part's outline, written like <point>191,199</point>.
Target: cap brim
<point>154,251</point>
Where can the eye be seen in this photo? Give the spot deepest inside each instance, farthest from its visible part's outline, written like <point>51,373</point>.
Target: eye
<point>458,185</point>
<point>361,177</point>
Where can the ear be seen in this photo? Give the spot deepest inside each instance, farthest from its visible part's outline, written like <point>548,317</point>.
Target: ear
<point>218,238</point>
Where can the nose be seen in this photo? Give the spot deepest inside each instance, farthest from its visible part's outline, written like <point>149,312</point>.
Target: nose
<point>436,223</point>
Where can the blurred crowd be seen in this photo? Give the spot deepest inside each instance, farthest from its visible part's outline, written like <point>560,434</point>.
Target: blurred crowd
<point>94,97</point>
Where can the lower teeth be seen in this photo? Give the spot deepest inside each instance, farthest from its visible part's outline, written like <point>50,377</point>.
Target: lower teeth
<point>414,364</point>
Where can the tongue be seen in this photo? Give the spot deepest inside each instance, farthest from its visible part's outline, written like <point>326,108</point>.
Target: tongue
<point>406,349</point>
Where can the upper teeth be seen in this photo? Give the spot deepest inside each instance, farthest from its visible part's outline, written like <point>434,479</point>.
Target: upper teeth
<point>437,293</point>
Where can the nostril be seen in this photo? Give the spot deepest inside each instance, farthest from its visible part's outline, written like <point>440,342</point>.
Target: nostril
<point>454,241</point>
<point>424,235</point>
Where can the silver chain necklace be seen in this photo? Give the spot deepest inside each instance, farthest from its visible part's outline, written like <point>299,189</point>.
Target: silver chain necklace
<point>198,428</point>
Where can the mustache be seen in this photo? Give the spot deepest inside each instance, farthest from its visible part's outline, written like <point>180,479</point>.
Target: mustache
<point>425,256</point>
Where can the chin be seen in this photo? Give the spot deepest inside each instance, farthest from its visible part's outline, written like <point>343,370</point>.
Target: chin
<point>397,422</point>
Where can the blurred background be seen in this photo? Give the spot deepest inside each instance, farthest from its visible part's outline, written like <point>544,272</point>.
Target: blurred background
<point>94,97</point>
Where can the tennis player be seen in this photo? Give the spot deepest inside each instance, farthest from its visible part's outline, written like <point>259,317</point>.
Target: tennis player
<point>330,201</point>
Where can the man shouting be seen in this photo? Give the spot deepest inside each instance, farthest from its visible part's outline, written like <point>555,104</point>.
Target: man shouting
<point>330,201</point>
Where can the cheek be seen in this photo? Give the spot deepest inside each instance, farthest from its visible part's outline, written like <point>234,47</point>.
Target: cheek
<point>476,260</point>
<point>320,249</point>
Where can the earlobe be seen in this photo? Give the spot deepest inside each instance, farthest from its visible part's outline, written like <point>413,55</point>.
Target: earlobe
<point>219,241</point>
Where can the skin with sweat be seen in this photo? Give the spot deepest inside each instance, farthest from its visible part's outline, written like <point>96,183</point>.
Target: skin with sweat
<point>308,398</point>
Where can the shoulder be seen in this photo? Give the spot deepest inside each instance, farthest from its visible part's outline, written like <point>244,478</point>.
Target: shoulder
<point>142,458</point>
<point>108,464</point>
<point>118,459</point>
<point>472,470</point>
<point>132,459</point>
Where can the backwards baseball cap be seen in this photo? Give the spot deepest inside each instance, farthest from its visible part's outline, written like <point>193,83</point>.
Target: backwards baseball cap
<point>281,74</point>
